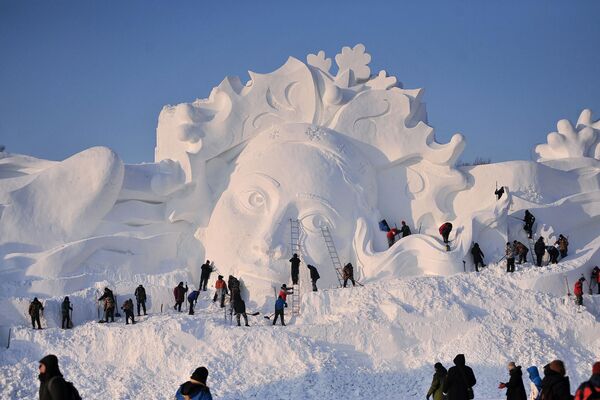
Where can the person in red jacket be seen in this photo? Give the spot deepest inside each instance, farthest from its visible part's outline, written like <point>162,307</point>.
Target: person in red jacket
<point>179,294</point>
<point>590,389</point>
<point>445,230</point>
<point>391,236</point>
<point>285,291</point>
<point>578,291</point>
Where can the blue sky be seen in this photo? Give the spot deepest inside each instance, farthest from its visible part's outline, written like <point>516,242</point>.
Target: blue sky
<point>79,74</point>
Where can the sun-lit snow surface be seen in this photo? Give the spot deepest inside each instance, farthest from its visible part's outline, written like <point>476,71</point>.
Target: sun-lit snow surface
<point>338,148</point>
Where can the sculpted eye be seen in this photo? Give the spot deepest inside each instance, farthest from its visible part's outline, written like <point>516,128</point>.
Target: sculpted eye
<point>253,200</point>
<point>313,222</point>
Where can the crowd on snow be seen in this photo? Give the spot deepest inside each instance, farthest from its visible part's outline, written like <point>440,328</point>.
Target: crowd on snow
<point>454,384</point>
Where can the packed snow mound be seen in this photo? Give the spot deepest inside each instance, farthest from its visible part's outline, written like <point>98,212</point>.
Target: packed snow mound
<point>581,140</point>
<point>64,202</point>
<point>379,341</point>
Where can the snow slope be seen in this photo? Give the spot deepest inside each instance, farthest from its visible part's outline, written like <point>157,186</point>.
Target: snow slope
<point>380,341</point>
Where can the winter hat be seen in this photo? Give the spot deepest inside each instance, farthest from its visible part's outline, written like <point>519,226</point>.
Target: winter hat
<point>284,286</point>
<point>51,363</point>
<point>200,375</point>
<point>596,368</point>
<point>438,365</point>
<point>511,365</point>
<point>558,366</point>
<point>220,276</point>
<point>403,223</point>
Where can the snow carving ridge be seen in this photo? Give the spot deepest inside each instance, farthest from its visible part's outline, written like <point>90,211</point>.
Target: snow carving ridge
<point>581,140</point>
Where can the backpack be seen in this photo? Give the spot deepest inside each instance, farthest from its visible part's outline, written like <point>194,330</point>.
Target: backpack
<point>73,394</point>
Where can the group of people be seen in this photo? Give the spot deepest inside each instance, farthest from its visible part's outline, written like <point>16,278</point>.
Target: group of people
<point>110,304</point>
<point>454,384</point>
<point>53,385</point>
<point>457,383</point>
<point>391,233</point>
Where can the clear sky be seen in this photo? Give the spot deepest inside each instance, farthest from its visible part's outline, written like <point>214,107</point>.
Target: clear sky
<point>84,73</point>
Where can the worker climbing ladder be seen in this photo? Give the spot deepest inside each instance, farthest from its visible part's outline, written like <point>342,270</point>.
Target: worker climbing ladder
<point>295,246</point>
<point>333,254</point>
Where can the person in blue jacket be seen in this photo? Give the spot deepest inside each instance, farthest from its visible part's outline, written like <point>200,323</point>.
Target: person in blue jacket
<point>535,387</point>
<point>280,304</point>
<point>193,299</point>
<point>195,388</point>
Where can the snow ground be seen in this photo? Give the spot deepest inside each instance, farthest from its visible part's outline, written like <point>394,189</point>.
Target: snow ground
<point>380,340</point>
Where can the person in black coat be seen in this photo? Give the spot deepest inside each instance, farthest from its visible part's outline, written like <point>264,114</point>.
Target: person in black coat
<point>539,249</point>
<point>314,276</point>
<point>477,256</point>
<point>52,384</point>
<point>556,385</point>
<point>239,307</point>
<point>515,390</point>
<point>459,380</point>
<point>66,309</point>
<point>140,298</point>
<point>206,269</point>
<point>553,253</point>
<point>295,261</point>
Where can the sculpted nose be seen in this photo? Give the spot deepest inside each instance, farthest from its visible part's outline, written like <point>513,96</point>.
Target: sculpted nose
<point>272,241</point>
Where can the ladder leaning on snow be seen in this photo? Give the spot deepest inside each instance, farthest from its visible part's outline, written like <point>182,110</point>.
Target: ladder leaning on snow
<point>333,254</point>
<point>295,246</point>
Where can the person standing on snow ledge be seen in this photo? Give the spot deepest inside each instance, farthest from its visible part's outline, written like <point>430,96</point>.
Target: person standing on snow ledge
<point>348,273</point>
<point>578,291</point>
<point>295,261</point>
<point>280,304</point>
<point>140,298</point>
<point>179,294</point>
<point>477,256</point>
<point>563,245</point>
<point>221,291</point>
<point>314,276</point>
<point>34,311</point>
<point>405,230</point>
<point>539,248</point>
<point>528,227</point>
<point>510,257</point>
<point>445,230</point>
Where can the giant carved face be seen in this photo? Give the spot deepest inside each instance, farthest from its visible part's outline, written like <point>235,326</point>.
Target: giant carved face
<point>298,172</point>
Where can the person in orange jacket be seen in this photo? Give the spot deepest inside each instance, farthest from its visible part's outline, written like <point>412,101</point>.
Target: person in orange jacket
<point>221,292</point>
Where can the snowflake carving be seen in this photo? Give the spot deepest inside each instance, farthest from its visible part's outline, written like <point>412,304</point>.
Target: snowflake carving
<point>319,61</point>
<point>275,134</point>
<point>355,60</point>
<point>315,132</point>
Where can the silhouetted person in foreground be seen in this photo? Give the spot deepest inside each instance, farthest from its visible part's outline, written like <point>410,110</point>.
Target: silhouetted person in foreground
<point>460,380</point>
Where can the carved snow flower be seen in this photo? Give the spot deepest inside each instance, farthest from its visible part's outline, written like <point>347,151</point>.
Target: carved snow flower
<point>319,61</point>
<point>571,141</point>
<point>355,60</point>
<point>382,81</point>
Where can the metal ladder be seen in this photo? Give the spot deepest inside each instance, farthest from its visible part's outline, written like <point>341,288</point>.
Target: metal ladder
<point>295,246</point>
<point>333,254</point>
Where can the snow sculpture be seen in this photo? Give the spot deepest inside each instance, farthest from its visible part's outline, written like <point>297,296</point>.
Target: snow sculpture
<point>299,126</point>
<point>271,183</point>
<point>568,141</point>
